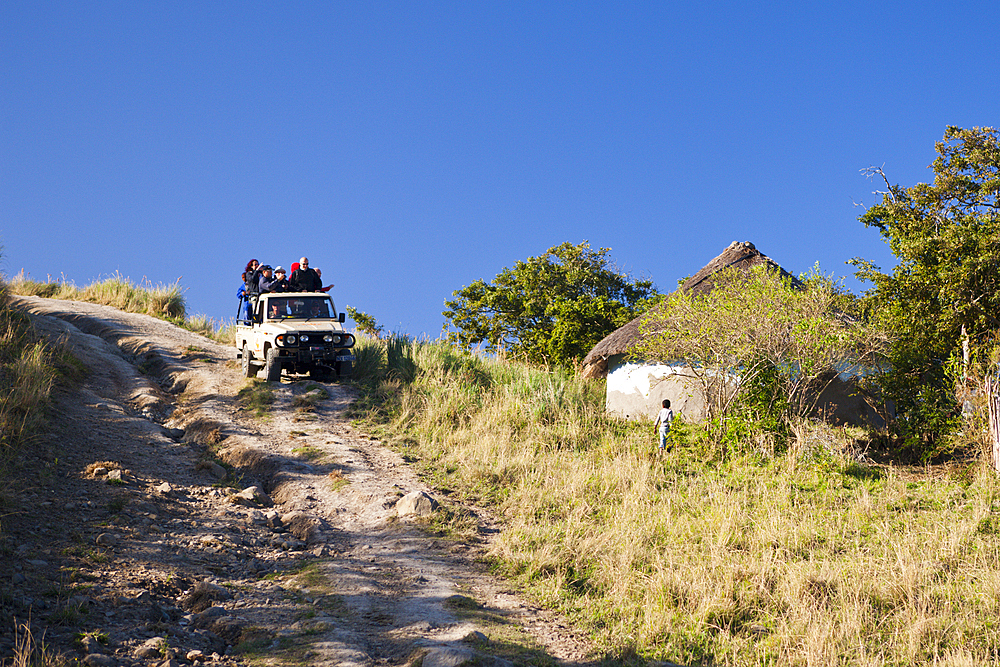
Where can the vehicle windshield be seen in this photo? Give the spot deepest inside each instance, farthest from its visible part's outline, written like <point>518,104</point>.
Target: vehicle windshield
<point>299,308</point>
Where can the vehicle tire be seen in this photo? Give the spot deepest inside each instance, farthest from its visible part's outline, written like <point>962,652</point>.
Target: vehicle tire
<point>272,367</point>
<point>344,370</point>
<point>249,370</point>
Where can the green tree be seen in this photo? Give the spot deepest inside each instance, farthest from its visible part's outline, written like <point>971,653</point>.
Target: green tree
<point>942,299</point>
<point>759,346</point>
<point>367,324</point>
<point>548,309</point>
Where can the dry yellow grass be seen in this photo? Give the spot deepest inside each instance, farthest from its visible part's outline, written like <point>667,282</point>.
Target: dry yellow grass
<point>163,301</point>
<point>27,373</point>
<point>30,651</point>
<point>800,558</point>
<point>166,301</point>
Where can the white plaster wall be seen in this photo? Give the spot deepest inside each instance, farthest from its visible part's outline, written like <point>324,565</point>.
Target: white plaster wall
<point>630,377</point>
<point>636,390</point>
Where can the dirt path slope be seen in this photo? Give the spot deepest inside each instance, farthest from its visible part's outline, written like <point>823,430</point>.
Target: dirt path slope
<point>134,535</point>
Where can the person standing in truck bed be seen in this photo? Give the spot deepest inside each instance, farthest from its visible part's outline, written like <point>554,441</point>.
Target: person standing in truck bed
<point>267,281</point>
<point>322,289</point>
<point>304,279</point>
<point>280,281</point>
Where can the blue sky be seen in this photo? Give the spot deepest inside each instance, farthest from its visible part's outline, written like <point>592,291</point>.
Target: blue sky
<point>411,148</point>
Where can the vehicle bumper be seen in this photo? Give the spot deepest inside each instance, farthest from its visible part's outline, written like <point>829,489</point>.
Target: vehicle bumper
<point>313,356</point>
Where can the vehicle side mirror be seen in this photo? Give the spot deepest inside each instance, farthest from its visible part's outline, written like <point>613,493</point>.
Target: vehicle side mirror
<point>342,318</point>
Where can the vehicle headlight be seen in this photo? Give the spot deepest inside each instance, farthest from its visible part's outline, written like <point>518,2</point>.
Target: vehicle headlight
<point>290,340</point>
<point>348,340</point>
<point>304,338</point>
<point>330,339</point>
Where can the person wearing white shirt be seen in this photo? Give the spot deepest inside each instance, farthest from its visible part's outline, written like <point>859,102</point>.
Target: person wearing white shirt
<point>663,422</point>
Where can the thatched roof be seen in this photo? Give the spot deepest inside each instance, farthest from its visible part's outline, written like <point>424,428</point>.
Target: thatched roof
<point>740,254</point>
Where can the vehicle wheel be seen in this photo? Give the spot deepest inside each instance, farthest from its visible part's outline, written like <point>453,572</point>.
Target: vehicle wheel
<point>344,369</point>
<point>249,370</point>
<point>272,367</point>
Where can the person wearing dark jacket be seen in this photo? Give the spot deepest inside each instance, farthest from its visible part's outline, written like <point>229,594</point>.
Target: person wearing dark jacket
<point>304,279</point>
<point>280,281</point>
<point>250,268</point>
<point>267,281</point>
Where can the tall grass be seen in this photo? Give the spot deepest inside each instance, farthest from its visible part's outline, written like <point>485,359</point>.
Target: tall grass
<point>221,331</point>
<point>162,301</point>
<point>28,369</point>
<point>383,359</point>
<point>801,558</point>
<point>30,652</point>
<point>166,301</point>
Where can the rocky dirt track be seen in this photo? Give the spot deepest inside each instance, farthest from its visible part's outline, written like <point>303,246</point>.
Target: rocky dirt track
<point>133,535</point>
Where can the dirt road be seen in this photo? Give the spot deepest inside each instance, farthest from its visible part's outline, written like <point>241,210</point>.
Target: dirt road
<point>133,534</point>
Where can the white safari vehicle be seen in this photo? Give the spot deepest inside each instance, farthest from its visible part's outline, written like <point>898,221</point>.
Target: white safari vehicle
<point>299,332</point>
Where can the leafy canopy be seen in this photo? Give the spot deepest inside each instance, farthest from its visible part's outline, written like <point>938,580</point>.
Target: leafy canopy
<point>946,236</point>
<point>755,329</point>
<point>945,290</point>
<point>548,309</point>
<point>367,324</point>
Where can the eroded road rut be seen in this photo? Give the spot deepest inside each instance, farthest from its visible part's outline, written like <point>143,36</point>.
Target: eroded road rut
<point>122,545</point>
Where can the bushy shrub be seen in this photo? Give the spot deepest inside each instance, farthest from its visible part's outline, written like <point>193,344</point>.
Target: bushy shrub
<point>760,345</point>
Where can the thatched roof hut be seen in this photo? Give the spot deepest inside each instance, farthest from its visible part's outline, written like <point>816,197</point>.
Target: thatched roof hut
<point>740,254</point>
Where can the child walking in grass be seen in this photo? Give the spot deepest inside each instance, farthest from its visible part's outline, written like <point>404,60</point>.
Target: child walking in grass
<point>663,421</point>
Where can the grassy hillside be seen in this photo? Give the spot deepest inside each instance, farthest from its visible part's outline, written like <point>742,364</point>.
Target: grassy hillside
<point>803,556</point>
<point>29,367</point>
<point>800,557</point>
<point>163,301</point>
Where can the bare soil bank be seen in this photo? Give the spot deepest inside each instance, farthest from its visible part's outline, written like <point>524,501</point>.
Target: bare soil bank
<point>125,542</point>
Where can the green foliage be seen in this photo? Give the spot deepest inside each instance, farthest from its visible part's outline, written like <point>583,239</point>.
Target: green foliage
<point>369,359</point>
<point>548,309</point>
<point>760,348</point>
<point>763,408</point>
<point>399,362</point>
<point>367,324</point>
<point>945,288</point>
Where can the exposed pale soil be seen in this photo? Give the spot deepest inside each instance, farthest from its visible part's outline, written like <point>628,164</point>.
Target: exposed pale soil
<point>328,575</point>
